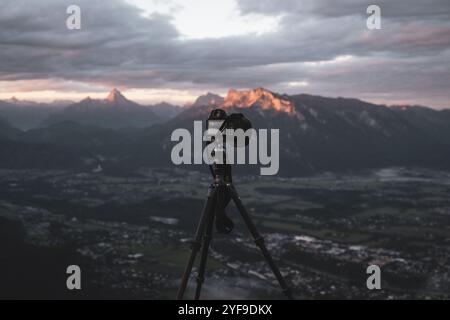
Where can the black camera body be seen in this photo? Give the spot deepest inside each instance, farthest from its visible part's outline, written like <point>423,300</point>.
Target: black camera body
<point>219,121</point>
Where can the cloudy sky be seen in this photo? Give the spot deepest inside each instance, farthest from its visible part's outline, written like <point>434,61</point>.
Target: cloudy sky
<point>174,50</point>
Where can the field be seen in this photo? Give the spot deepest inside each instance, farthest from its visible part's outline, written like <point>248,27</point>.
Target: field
<point>130,234</point>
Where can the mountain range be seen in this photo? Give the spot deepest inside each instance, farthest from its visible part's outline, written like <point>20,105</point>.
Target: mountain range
<point>115,112</point>
<point>28,114</point>
<point>317,133</point>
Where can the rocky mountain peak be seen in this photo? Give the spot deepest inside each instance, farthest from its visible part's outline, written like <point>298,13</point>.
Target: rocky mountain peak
<point>208,99</point>
<point>258,97</point>
<point>116,97</point>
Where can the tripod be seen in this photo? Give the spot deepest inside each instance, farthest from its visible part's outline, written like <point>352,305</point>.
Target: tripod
<point>220,192</point>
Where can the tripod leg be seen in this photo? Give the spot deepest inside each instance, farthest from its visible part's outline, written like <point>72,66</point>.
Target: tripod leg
<point>208,210</point>
<point>259,240</point>
<point>207,237</point>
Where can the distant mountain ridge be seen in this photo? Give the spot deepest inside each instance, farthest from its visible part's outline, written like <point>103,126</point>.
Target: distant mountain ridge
<point>319,133</point>
<point>166,111</point>
<point>114,112</point>
<point>208,99</point>
<point>316,133</point>
<point>25,114</point>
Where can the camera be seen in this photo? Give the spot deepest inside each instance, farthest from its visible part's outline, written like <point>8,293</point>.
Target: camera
<point>218,122</point>
<point>217,125</point>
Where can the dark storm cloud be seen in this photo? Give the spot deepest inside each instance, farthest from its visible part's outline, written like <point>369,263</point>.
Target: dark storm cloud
<point>119,46</point>
<point>408,9</point>
<point>35,41</point>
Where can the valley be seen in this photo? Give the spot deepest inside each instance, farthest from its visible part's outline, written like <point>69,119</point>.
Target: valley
<point>130,234</point>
